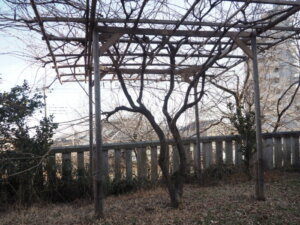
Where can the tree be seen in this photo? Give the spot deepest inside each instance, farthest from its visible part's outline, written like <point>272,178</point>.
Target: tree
<point>187,79</point>
<point>23,145</point>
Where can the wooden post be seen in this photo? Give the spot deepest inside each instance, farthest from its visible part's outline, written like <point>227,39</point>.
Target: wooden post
<point>142,163</point>
<point>154,174</point>
<point>128,159</point>
<point>219,152</point>
<point>259,189</point>
<point>117,164</point>
<point>197,160</point>
<point>268,153</point>
<point>80,163</point>
<point>207,149</point>
<point>209,153</point>
<point>278,152</point>
<point>97,153</point>
<point>228,152</point>
<point>51,168</point>
<point>287,151</point>
<point>295,152</point>
<point>66,166</point>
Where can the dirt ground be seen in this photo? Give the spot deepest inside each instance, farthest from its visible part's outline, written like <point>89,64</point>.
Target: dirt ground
<point>230,204</point>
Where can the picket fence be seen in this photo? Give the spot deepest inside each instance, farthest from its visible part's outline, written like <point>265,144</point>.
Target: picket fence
<point>140,159</point>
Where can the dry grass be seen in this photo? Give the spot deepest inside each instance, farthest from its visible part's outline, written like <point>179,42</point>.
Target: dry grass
<point>225,204</point>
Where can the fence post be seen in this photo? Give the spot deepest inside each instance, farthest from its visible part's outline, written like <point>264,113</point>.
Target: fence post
<point>207,149</point>
<point>154,174</point>
<point>142,162</point>
<point>117,164</point>
<point>268,153</point>
<point>278,152</point>
<point>295,152</point>
<point>219,152</point>
<point>187,149</point>
<point>80,163</point>
<point>51,169</point>
<point>66,166</point>
<point>128,156</point>
<point>287,151</point>
<point>197,158</point>
<point>228,152</point>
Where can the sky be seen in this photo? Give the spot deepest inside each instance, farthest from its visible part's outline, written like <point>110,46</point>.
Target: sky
<point>66,102</point>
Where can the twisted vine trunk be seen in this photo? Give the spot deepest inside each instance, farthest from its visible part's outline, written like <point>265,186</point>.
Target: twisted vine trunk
<point>172,188</point>
<point>181,173</point>
<point>173,192</point>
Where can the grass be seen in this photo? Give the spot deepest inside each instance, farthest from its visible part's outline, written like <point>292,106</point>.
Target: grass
<point>231,204</point>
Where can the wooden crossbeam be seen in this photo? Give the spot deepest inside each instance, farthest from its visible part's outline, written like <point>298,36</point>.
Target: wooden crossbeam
<point>167,32</point>
<point>185,71</point>
<point>158,55</point>
<point>126,79</point>
<point>156,42</point>
<point>197,23</point>
<point>173,22</point>
<point>124,64</point>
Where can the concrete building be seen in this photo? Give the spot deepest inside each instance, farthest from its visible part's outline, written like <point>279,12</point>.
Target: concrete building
<point>279,79</point>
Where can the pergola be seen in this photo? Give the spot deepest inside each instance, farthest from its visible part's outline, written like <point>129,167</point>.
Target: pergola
<point>96,43</point>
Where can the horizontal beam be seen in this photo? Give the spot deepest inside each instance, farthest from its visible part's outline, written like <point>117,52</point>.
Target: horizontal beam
<point>182,71</point>
<point>174,22</point>
<point>167,32</point>
<point>126,79</point>
<point>158,55</point>
<point>197,23</point>
<point>123,64</point>
<point>156,42</point>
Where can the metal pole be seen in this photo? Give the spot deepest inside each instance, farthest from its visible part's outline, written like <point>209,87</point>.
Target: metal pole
<point>198,161</point>
<point>259,188</point>
<point>91,120</point>
<point>98,154</point>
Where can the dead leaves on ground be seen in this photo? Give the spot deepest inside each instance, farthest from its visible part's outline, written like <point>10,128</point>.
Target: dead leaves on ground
<point>227,204</point>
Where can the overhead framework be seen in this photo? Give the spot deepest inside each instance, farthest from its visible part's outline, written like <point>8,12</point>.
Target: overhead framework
<point>201,37</point>
<point>160,40</point>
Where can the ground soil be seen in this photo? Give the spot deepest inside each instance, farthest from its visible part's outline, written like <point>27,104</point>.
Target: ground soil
<point>230,204</point>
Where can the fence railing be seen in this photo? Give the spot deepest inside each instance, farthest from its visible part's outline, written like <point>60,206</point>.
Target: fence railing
<point>140,159</point>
